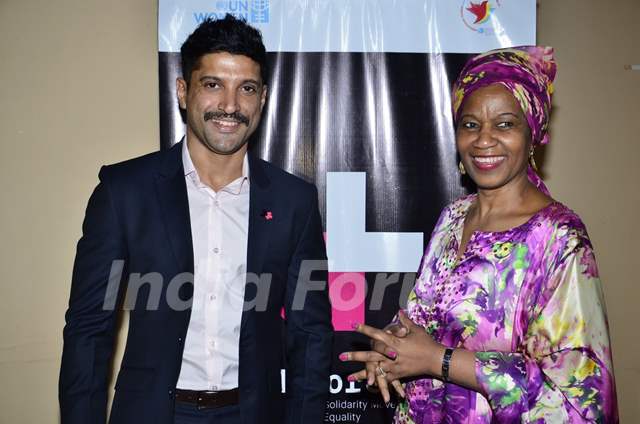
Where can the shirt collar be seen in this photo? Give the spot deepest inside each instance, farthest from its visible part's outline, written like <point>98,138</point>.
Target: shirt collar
<point>187,163</point>
<point>190,171</point>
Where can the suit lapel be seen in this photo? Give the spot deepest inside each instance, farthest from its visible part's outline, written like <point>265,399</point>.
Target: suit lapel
<point>259,226</point>
<point>174,203</point>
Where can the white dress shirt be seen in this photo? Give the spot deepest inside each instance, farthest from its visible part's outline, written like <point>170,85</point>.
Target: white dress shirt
<point>219,229</point>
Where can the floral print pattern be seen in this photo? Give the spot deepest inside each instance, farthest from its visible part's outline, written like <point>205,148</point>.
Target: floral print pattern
<point>529,302</point>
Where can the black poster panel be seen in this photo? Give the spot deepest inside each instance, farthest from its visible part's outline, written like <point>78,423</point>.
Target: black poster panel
<point>385,114</point>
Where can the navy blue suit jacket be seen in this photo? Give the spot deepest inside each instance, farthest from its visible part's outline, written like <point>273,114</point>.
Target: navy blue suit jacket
<point>139,213</point>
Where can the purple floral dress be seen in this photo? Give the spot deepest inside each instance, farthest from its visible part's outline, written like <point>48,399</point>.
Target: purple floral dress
<point>528,300</point>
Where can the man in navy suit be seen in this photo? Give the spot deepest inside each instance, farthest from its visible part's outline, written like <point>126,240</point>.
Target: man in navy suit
<point>206,244</point>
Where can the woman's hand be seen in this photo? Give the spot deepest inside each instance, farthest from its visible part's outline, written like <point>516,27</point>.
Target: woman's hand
<point>395,329</point>
<point>397,357</point>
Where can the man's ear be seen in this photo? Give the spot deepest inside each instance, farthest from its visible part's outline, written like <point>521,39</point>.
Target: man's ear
<point>181,92</point>
<point>263,97</point>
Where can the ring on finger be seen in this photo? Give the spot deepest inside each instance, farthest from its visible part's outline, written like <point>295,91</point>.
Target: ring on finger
<point>381,372</point>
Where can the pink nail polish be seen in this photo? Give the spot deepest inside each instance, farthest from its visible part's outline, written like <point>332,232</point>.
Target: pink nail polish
<point>392,354</point>
<point>343,357</point>
<point>355,325</point>
<point>351,378</point>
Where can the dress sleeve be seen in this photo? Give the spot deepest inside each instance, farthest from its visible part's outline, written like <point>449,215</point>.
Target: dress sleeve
<point>562,369</point>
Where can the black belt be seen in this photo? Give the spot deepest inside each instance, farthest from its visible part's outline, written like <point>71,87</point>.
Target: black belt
<point>205,399</point>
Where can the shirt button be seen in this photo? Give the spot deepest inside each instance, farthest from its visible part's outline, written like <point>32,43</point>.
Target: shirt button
<point>179,339</point>
<point>214,387</point>
<point>170,392</point>
<point>212,297</point>
<point>216,250</point>
<point>217,203</point>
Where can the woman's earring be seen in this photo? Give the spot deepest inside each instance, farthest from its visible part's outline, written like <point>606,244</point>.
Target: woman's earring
<point>461,168</point>
<point>532,161</point>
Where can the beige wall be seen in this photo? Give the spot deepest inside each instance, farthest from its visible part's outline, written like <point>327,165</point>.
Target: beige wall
<point>78,88</point>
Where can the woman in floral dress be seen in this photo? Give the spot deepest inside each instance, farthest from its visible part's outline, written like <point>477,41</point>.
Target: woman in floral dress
<point>507,321</point>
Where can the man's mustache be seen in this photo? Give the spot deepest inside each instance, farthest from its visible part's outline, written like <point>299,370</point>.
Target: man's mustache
<point>235,116</point>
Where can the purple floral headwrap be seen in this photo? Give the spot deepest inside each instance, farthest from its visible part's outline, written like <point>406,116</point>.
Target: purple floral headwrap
<point>528,73</point>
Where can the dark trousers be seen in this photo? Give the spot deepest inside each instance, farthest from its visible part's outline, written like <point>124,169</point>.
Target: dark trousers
<point>189,414</point>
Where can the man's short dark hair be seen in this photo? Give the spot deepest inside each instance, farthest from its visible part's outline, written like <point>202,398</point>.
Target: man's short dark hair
<point>231,35</point>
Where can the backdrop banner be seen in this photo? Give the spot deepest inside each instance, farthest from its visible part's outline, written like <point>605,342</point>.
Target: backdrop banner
<point>359,104</point>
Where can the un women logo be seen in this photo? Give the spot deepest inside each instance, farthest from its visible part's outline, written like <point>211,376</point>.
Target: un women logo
<point>260,11</point>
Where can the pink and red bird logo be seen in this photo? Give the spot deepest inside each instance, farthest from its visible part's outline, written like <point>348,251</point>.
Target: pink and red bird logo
<point>478,15</point>
<point>482,11</point>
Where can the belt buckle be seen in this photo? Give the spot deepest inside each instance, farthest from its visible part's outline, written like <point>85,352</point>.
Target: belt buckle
<point>200,401</point>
